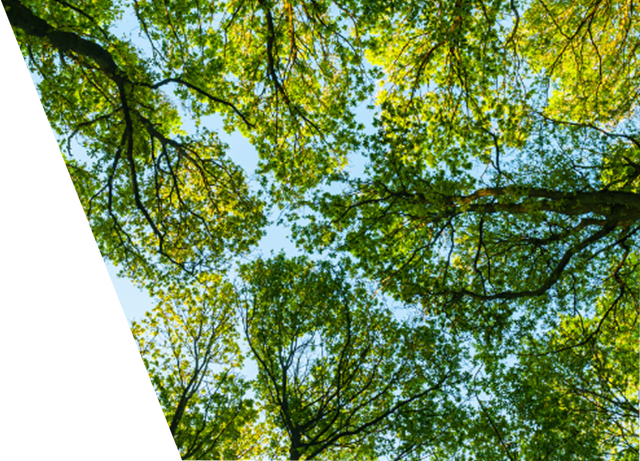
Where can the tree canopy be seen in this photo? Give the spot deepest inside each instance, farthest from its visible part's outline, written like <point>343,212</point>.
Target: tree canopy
<point>499,207</point>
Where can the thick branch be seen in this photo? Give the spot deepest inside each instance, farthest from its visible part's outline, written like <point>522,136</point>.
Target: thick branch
<point>24,19</point>
<point>603,202</point>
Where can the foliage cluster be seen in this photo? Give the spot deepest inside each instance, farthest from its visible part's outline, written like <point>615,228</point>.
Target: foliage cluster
<point>474,294</point>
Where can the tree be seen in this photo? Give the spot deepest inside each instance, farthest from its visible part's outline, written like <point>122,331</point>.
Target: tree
<point>501,195</point>
<point>160,200</point>
<point>163,389</point>
<point>573,393</point>
<point>503,188</point>
<point>338,373</point>
<point>475,173</point>
<point>143,173</point>
<point>496,183</point>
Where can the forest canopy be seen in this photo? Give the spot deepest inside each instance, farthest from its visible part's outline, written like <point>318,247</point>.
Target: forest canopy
<point>473,293</point>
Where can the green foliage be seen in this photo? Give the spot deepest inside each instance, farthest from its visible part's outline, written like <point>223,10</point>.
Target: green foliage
<point>165,388</point>
<point>340,376</point>
<point>500,205</point>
